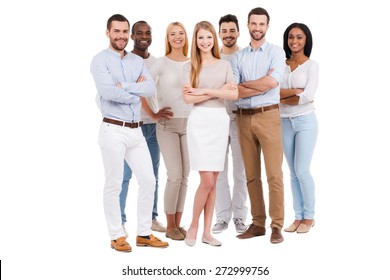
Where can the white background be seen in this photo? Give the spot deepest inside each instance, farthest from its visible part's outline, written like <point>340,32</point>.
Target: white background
<point>51,178</point>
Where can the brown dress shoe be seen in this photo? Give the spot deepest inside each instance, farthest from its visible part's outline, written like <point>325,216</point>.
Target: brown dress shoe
<point>121,245</point>
<point>252,231</point>
<point>276,236</point>
<point>151,242</point>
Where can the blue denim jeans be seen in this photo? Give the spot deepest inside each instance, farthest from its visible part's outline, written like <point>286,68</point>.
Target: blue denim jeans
<point>299,139</point>
<point>149,132</point>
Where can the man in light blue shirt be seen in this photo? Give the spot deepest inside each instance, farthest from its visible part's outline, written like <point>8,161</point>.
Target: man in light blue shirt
<point>121,79</point>
<point>258,70</point>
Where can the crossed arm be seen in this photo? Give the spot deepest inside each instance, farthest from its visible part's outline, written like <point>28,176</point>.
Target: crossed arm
<point>195,95</point>
<point>290,96</point>
<point>161,114</point>
<point>258,86</point>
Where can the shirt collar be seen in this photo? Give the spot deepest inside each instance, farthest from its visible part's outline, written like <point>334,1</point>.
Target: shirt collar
<point>262,47</point>
<point>116,53</point>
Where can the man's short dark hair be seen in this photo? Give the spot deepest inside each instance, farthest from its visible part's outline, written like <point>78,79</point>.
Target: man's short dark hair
<point>116,17</point>
<point>228,18</point>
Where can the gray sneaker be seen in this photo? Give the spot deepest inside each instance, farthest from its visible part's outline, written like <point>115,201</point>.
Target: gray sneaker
<point>240,226</point>
<point>157,226</point>
<point>220,226</point>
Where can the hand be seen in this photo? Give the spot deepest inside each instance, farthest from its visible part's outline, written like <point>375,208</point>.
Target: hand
<point>141,79</point>
<point>229,86</point>
<point>119,85</point>
<point>194,91</point>
<point>163,113</point>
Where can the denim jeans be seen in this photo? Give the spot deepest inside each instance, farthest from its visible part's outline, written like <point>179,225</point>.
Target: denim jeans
<point>299,139</point>
<point>149,132</point>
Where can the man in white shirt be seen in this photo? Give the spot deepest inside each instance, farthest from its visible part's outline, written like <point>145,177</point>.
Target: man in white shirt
<point>141,34</point>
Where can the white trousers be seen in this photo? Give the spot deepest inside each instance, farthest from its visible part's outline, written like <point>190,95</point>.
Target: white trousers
<point>226,204</point>
<point>118,143</point>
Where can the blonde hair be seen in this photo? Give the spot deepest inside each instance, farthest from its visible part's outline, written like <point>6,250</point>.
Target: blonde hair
<point>196,59</point>
<point>168,47</point>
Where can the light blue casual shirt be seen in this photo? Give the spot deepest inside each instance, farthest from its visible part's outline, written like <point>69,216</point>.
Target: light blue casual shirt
<point>109,69</point>
<point>251,64</point>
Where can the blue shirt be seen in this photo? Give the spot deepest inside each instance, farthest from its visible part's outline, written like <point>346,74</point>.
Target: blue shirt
<point>109,69</point>
<point>251,64</point>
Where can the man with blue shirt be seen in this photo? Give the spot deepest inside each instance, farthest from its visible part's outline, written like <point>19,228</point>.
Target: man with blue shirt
<point>121,79</point>
<point>258,70</point>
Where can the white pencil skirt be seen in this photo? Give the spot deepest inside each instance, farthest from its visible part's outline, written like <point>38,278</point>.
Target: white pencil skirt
<point>207,137</point>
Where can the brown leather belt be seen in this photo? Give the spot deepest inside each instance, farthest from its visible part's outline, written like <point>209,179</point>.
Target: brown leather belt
<point>127,124</point>
<point>252,111</point>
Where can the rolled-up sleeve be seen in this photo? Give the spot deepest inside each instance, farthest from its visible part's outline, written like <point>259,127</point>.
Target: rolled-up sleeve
<point>312,74</point>
<point>278,65</point>
<point>105,84</point>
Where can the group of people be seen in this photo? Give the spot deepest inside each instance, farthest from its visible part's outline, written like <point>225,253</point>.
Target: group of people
<point>258,99</point>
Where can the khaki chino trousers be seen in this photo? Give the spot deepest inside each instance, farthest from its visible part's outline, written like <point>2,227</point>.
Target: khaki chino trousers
<point>262,133</point>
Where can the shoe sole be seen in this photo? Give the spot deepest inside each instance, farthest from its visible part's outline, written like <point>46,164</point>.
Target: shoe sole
<point>218,231</point>
<point>148,245</point>
<point>248,237</point>
<point>241,230</point>
<point>159,230</point>
<point>175,239</point>
<point>123,251</point>
<point>212,244</point>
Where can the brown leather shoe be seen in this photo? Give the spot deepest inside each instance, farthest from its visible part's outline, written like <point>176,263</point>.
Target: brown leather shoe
<point>183,231</point>
<point>151,242</point>
<point>252,231</point>
<point>276,236</point>
<point>121,245</point>
<point>174,234</point>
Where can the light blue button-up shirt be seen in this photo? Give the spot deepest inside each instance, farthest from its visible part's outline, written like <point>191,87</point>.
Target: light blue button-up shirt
<point>251,64</point>
<point>109,69</point>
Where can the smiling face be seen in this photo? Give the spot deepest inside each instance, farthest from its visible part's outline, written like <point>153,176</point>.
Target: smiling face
<point>176,37</point>
<point>258,27</point>
<point>204,40</point>
<point>296,40</point>
<point>142,36</point>
<point>118,35</point>
<point>229,34</point>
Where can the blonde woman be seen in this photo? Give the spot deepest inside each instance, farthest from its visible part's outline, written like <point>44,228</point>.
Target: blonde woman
<point>208,80</point>
<point>172,131</point>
